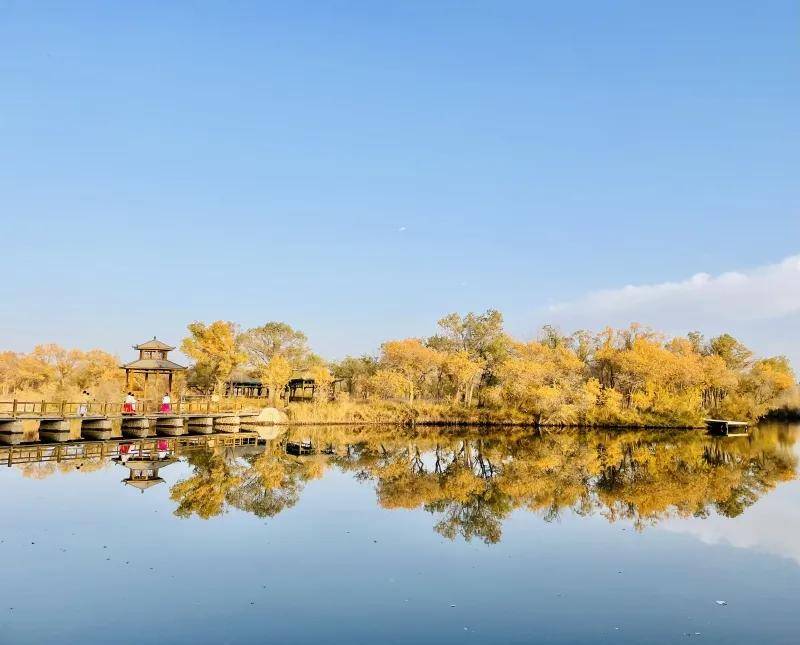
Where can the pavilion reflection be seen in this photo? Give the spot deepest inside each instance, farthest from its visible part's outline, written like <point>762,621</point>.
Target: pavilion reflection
<point>144,463</point>
<point>144,472</point>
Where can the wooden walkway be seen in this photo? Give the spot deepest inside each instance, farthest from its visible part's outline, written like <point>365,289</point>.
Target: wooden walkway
<point>17,409</point>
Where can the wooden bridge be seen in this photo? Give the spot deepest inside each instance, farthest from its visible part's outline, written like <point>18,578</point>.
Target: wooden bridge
<point>57,422</point>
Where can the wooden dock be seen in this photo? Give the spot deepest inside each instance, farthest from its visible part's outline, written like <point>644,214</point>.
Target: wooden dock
<point>727,428</point>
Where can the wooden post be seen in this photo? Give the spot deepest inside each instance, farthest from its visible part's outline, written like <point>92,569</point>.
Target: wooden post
<point>14,408</point>
<point>127,379</point>
<point>169,381</point>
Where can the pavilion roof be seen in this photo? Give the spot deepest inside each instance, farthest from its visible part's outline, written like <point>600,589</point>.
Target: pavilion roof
<point>153,365</point>
<point>244,377</point>
<point>154,344</point>
<point>142,484</point>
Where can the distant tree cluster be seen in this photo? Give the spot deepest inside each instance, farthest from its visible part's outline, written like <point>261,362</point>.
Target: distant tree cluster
<point>53,372</point>
<point>273,353</point>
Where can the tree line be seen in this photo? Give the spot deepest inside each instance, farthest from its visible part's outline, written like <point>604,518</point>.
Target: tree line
<point>469,369</point>
<point>630,376</point>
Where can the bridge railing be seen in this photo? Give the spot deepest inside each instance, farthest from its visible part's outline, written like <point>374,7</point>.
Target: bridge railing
<point>182,405</point>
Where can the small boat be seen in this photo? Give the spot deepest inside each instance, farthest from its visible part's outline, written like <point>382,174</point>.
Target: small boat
<point>727,428</point>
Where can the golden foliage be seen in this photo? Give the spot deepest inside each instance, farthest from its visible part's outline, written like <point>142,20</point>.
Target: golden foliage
<point>216,350</point>
<point>51,371</point>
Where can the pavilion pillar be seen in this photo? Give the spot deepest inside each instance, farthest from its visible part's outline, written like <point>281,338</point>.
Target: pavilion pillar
<point>127,380</point>
<point>169,382</point>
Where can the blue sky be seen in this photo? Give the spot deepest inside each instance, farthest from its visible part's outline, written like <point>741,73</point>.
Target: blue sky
<point>360,169</point>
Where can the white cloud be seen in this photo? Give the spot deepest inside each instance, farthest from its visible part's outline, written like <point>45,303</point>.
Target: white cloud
<point>761,306</point>
<point>763,293</point>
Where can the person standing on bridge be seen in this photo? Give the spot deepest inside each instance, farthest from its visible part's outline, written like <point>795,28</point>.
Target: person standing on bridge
<point>129,406</point>
<point>83,408</point>
<point>166,404</point>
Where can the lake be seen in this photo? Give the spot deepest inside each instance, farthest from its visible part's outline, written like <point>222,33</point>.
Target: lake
<point>383,535</point>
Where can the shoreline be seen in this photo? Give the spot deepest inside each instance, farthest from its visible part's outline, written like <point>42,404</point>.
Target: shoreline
<point>486,424</point>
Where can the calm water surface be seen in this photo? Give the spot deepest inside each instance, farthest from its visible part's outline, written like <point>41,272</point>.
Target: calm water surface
<point>382,536</point>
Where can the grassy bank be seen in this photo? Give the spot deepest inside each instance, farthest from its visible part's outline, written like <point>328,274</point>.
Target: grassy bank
<point>426,413</point>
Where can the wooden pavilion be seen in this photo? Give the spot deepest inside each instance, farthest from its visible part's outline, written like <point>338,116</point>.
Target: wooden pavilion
<point>301,387</point>
<point>242,383</point>
<point>152,361</point>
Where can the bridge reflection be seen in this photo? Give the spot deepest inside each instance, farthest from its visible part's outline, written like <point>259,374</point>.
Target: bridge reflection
<point>119,449</point>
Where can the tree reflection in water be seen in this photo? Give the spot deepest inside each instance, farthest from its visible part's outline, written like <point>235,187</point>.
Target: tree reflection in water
<point>263,483</point>
<point>471,483</point>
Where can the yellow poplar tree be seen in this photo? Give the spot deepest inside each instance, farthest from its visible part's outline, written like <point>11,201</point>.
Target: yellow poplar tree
<point>413,360</point>
<point>216,349</point>
<point>275,375</point>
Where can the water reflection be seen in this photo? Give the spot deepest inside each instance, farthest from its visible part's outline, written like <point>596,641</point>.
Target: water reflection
<point>312,522</point>
<point>470,483</point>
<point>144,460</point>
<point>262,480</point>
